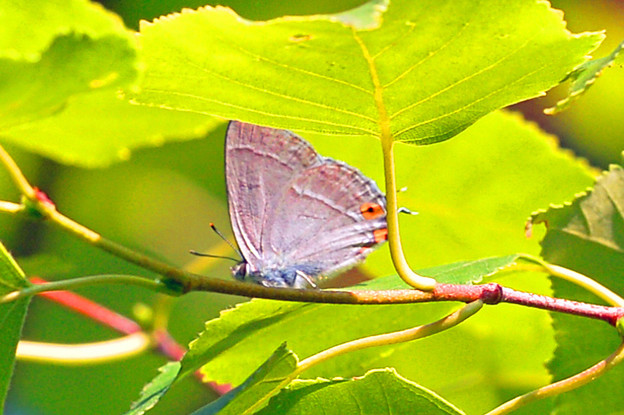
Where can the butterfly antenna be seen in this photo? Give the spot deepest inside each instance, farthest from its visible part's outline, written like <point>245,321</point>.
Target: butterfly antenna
<point>192,252</point>
<point>218,232</point>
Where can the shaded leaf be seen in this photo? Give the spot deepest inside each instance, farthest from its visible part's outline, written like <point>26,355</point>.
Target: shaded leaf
<point>153,391</point>
<point>429,70</point>
<point>263,383</point>
<point>97,129</point>
<point>381,391</point>
<point>73,64</point>
<point>11,317</point>
<point>592,225</point>
<point>583,78</point>
<point>587,236</point>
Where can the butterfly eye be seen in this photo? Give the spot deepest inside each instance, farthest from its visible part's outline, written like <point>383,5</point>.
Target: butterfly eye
<point>371,210</point>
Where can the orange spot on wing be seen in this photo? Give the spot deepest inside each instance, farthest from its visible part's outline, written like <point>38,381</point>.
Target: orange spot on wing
<point>380,235</point>
<point>371,210</point>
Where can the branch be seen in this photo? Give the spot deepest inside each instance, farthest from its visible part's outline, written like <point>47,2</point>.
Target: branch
<point>183,281</point>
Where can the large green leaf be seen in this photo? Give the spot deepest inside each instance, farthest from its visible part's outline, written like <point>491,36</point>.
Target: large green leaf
<point>57,92</point>
<point>11,318</point>
<point>71,48</point>
<point>73,64</point>
<point>587,235</point>
<point>473,193</point>
<point>377,392</point>
<point>427,71</point>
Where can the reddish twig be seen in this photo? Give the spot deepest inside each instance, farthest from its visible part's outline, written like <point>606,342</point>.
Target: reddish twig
<point>164,343</point>
<point>90,309</point>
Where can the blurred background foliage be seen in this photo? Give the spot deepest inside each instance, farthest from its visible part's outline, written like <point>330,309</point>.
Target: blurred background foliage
<point>146,212</point>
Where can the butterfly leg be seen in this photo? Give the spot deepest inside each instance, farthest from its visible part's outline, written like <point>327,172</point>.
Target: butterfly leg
<point>306,278</point>
<point>407,211</point>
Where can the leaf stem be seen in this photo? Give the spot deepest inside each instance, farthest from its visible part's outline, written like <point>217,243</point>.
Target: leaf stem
<point>564,385</point>
<point>85,353</point>
<point>402,336</point>
<point>74,283</point>
<point>10,207</point>
<point>579,279</point>
<point>387,142</point>
<point>394,238</point>
<point>16,174</point>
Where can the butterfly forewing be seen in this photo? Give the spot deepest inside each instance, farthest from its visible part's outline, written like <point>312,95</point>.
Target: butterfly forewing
<point>259,163</point>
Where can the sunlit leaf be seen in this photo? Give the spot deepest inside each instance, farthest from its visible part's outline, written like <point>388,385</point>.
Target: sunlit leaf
<point>47,20</point>
<point>429,70</point>
<point>71,48</point>
<point>58,86</point>
<point>97,129</point>
<point>378,392</point>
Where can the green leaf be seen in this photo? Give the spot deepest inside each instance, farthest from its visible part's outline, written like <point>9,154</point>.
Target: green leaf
<point>73,64</point>
<point>586,236</point>
<point>47,20</point>
<point>429,70</point>
<point>590,227</point>
<point>11,317</point>
<point>251,330</point>
<point>377,392</point>
<point>71,48</point>
<point>99,128</point>
<point>58,86</point>
<point>583,78</point>
<point>153,391</point>
<point>262,384</point>
<point>466,272</point>
<point>473,193</point>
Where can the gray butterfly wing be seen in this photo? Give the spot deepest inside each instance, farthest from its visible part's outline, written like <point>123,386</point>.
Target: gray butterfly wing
<point>329,217</point>
<point>260,162</point>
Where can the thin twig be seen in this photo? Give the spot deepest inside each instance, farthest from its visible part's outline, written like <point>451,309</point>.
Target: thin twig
<point>564,385</point>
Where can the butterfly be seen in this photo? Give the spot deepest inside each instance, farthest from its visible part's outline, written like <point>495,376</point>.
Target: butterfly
<point>296,215</point>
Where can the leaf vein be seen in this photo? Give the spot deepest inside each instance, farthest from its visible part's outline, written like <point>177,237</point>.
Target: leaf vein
<point>431,120</point>
<point>240,107</point>
<point>465,79</point>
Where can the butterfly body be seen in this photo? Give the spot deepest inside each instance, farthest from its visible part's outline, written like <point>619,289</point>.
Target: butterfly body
<point>297,215</point>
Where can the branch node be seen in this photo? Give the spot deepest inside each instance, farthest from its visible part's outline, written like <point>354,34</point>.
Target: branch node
<point>491,293</point>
